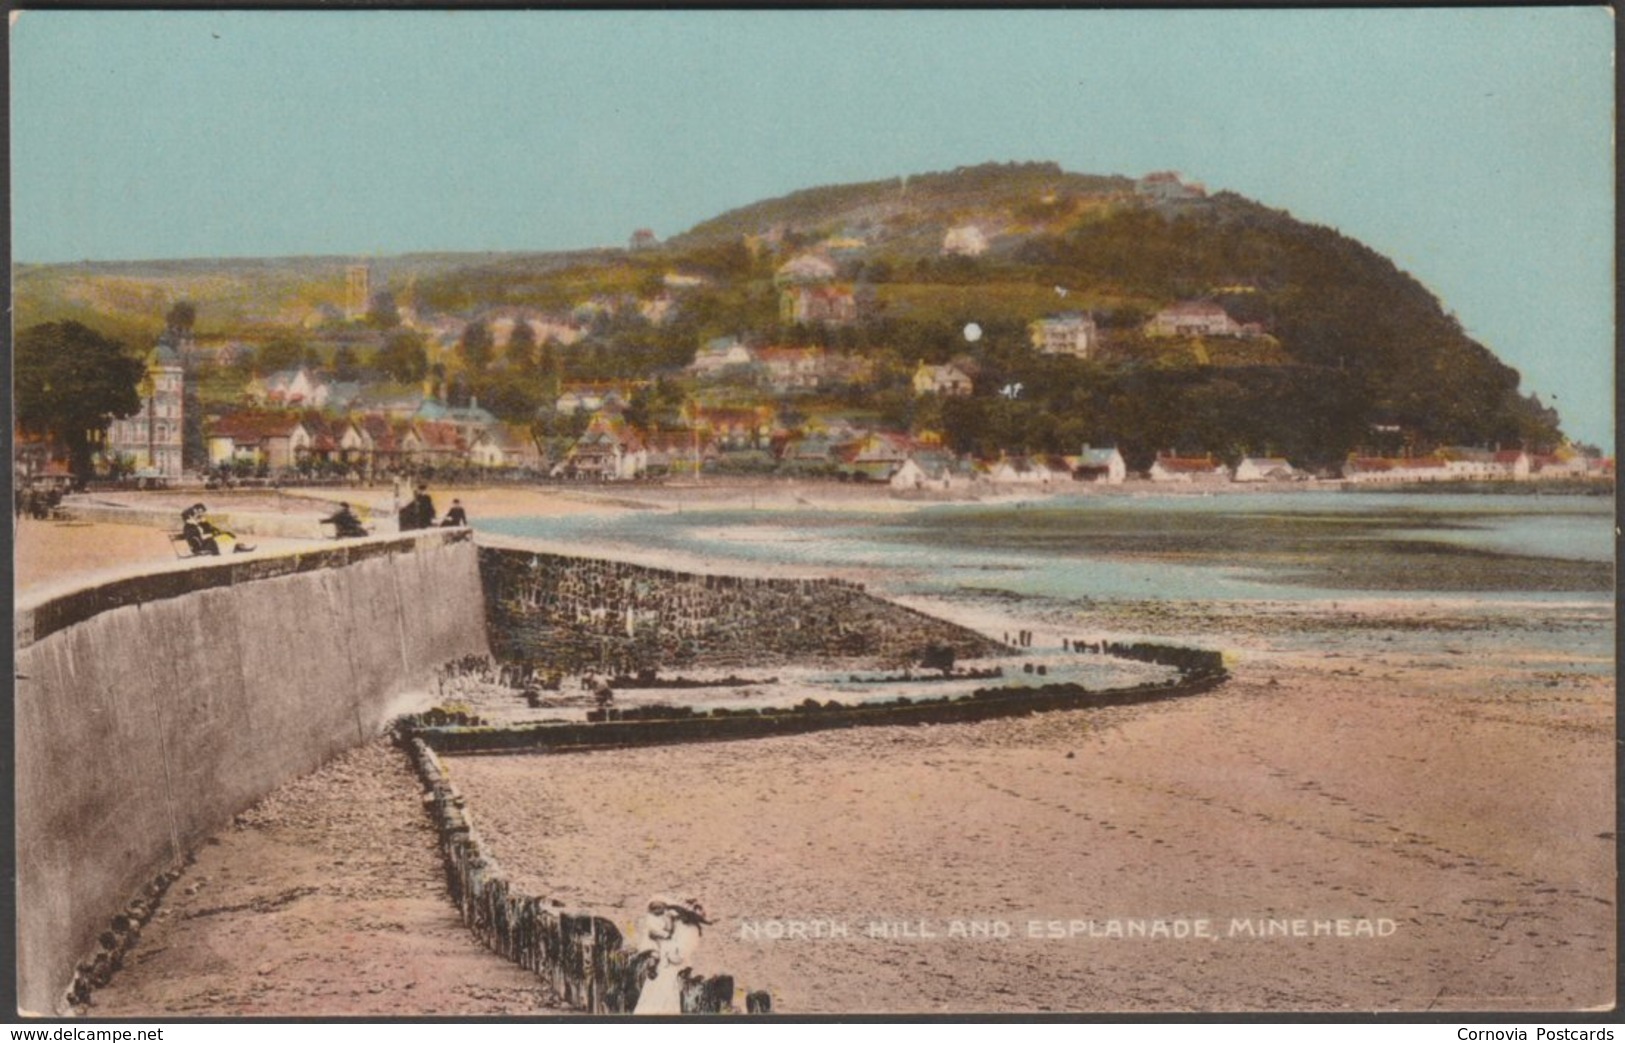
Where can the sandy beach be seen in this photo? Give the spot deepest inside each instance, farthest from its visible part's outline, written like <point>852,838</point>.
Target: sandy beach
<point>1395,805</point>
<point>1457,797</point>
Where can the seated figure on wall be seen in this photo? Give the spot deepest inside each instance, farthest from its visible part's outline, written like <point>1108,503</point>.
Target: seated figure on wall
<point>345,523</point>
<point>203,536</point>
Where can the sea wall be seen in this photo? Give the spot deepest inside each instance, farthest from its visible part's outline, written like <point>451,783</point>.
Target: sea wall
<point>576,614</point>
<point>150,710</point>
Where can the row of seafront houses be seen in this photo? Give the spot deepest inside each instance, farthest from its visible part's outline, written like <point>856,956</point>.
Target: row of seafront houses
<point>300,420</point>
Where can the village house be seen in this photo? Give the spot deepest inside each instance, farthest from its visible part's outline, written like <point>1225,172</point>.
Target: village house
<point>1557,465</point>
<point>433,443</point>
<point>1184,469</point>
<point>659,309</point>
<point>505,446</point>
<point>609,450</point>
<point>933,470</point>
<point>384,436</point>
<point>946,380</point>
<point>876,457</point>
<point>1099,465</point>
<point>296,388</point>
<point>964,241</point>
<point>791,369</point>
<point>1028,470</point>
<point>643,239</point>
<point>151,439</point>
<point>590,397</point>
<point>468,421</point>
<point>680,451</point>
<point>1197,319</point>
<point>1263,469</point>
<point>275,440</point>
<point>1391,469</point>
<point>818,305</point>
<point>732,427</point>
<point>1073,334</point>
<point>807,269</point>
<point>722,356</point>
<point>1467,463</point>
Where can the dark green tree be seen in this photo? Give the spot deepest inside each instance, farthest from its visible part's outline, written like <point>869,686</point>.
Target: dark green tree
<point>522,349</point>
<point>404,356</point>
<point>345,366</point>
<point>382,312</point>
<point>476,346</point>
<point>284,352</point>
<point>70,382</point>
<point>181,318</point>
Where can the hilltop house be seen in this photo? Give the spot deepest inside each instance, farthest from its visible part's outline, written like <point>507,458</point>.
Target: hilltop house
<point>643,239</point>
<point>1072,333</point>
<point>946,380</point>
<point>964,241</point>
<point>1166,186</point>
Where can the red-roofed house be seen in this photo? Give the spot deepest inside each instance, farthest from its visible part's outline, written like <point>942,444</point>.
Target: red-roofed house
<point>1186,469</point>
<point>273,439</point>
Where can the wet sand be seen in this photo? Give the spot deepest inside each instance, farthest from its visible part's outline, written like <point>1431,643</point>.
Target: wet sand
<point>1458,787</point>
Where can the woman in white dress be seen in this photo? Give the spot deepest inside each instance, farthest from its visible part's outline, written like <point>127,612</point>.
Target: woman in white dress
<point>670,930</point>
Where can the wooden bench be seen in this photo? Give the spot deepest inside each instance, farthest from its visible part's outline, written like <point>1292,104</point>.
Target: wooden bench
<point>179,544</point>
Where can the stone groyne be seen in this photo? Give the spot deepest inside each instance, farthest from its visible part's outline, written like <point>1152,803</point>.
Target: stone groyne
<point>1199,670</point>
<point>580,614</point>
<point>150,710</point>
<point>584,957</point>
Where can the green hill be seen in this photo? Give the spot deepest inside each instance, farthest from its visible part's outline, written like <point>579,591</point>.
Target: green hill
<point>1345,351</point>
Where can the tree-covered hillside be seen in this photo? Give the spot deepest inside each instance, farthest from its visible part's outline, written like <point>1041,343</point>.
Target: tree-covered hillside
<point>1342,351</point>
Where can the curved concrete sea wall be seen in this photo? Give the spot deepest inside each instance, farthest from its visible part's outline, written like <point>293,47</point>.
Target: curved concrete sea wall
<point>148,711</point>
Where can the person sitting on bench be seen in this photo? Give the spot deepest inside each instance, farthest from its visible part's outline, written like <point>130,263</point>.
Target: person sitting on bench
<point>456,516</point>
<point>345,523</point>
<point>203,536</point>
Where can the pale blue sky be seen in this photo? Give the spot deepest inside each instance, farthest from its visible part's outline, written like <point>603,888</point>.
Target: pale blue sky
<point>1474,147</point>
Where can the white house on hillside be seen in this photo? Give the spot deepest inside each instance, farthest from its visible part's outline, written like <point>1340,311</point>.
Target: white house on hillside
<point>1071,334</point>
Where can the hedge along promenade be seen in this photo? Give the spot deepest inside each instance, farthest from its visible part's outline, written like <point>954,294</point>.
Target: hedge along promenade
<point>1199,670</point>
<point>583,957</point>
